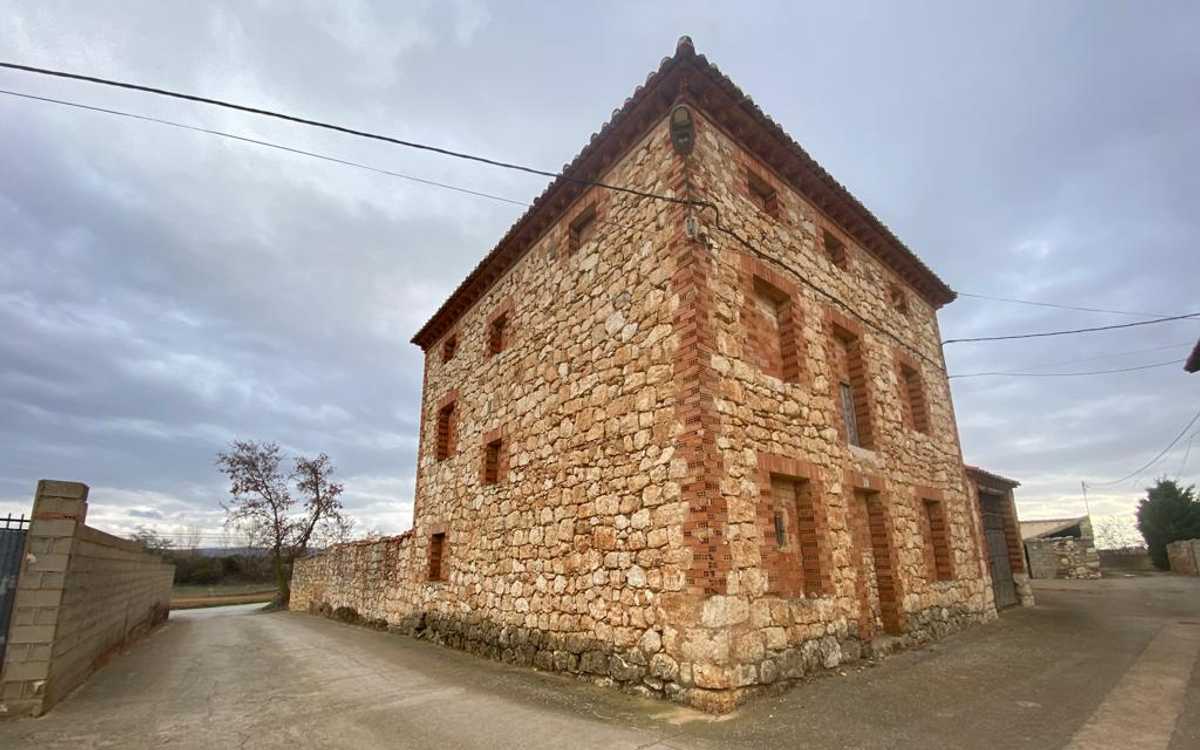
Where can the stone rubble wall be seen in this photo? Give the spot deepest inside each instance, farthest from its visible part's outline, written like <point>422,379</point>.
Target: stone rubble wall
<point>81,594</point>
<point>1063,557</point>
<point>1184,556</point>
<point>624,540</point>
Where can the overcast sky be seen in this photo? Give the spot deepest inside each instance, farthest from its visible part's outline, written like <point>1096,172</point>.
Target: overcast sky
<point>164,291</point>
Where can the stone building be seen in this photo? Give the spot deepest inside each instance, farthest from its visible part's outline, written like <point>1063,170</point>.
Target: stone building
<point>693,436</point>
<point>1002,537</point>
<point>1061,548</point>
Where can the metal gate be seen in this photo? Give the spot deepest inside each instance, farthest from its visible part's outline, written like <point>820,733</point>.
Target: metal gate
<point>1003,586</point>
<point>12,545</point>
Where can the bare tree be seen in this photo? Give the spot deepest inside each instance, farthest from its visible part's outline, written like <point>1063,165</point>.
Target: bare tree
<point>190,536</point>
<point>264,508</point>
<point>151,540</point>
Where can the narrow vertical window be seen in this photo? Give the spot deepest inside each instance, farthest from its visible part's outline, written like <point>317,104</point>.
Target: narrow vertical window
<point>770,322</point>
<point>449,347</point>
<point>851,394</point>
<point>497,333</point>
<point>912,395</point>
<point>780,530</point>
<point>835,250</point>
<point>763,195</point>
<point>581,228</point>
<point>849,415</point>
<point>445,432</point>
<point>437,544</point>
<point>492,457</point>
<point>898,299</point>
<point>938,539</point>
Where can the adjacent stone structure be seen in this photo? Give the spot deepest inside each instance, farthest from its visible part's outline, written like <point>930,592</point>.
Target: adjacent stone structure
<point>1184,557</point>
<point>997,503</point>
<point>1061,548</point>
<point>81,594</point>
<point>694,445</point>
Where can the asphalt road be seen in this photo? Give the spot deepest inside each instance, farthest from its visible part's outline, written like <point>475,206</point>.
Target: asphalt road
<point>1109,663</point>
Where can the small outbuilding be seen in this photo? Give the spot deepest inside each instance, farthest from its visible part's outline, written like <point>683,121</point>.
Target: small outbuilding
<point>1061,548</point>
<point>1002,539</point>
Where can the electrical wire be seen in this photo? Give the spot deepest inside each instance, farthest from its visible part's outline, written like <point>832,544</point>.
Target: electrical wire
<point>1066,374</point>
<point>1060,307</point>
<point>267,144</point>
<point>1152,461</point>
<point>1074,331</point>
<point>1111,355</point>
<point>330,126</point>
<point>529,170</point>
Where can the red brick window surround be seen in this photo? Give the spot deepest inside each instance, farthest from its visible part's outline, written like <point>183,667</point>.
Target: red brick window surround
<point>772,324</point>
<point>793,528</point>
<point>499,329</point>
<point>581,228</point>
<point>437,550</point>
<point>912,395</point>
<point>763,195</point>
<point>937,539</point>
<point>495,457</point>
<point>851,387</point>
<point>449,347</point>
<point>835,250</point>
<point>447,427</point>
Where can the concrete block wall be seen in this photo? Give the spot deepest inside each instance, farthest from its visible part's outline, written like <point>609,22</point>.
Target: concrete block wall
<point>1184,556</point>
<point>81,594</point>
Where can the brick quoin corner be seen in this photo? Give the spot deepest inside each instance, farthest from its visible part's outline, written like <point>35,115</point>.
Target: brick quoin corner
<point>655,457</point>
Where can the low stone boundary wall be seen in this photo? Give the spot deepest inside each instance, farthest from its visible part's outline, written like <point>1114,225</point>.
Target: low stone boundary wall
<point>1062,557</point>
<point>1184,556</point>
<point>81,595</point>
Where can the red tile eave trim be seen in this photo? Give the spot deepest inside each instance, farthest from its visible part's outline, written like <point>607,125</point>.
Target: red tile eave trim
<point>1193,362</point>
<point>978,473</point>
<point>704,85</point>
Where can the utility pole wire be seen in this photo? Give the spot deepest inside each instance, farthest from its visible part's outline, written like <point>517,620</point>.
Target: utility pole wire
<point>1154,460</point>
<point>1074,331</point>
<point>257,142</point>
<point>1065,374</point>
<point>1062,307</point>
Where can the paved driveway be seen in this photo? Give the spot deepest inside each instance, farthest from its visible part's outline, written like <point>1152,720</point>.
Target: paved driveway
<point>1108,663</point>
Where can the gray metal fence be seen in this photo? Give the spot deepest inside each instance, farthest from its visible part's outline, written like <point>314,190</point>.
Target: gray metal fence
<point>12,544</point>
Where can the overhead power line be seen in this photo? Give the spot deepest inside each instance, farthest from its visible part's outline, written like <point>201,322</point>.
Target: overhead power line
<point>259,142</point>
<point>1065,374</point>
<point>338,128</point>
<point>1061,307</point>
<point>327,126</point>
<point>1152,461</point>
<point>1073,331</point>
<point>518,167</point>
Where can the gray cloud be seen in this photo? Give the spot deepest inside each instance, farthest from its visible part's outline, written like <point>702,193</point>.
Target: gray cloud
<point>164,291</point>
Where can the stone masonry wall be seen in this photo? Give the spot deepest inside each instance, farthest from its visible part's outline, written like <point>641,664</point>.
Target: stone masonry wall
<point>608,436</point>
<point>783,423</point>
<point>1184,557</point>
<point>561,561</point>
<point>1063,557</point>
<point>81,594</point>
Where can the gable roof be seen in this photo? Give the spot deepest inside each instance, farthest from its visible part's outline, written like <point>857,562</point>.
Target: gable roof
<point>1049,527</point>
<point>691,77</point>
<point>986,477</point>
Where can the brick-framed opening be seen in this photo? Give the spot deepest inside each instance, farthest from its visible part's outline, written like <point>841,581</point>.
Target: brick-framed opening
<point>582,227</point>
<point>793,527</point>
<point>849,381</point>
<point>499,328</point>
<point>913,398</point>
<point>763,194</point>
<point>935,531</point>
<point>436,557</point>
<point>449,347</point>
<point>1001,502</point>
<point>772,321</point>
<point>834,248</point>
<point>873,534</point>
<point>494,465</point>
<point>447,426</point>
